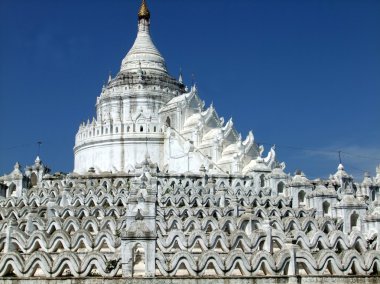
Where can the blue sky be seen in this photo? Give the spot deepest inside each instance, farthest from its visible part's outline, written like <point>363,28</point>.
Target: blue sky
<point>304,75</point>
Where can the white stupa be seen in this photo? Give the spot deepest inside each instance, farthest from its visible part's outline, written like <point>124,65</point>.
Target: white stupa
<point>145,110</point>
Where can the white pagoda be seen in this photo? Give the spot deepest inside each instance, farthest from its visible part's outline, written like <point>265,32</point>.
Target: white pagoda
<point>143,110</point>
<point>164,189</point>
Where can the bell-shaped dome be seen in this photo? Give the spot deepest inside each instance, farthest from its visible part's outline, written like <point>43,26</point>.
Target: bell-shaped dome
<point>143,53</point>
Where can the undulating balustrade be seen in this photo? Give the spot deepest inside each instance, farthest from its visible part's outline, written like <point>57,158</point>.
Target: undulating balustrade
<point>64,229</point>
<point>224,231</point>
<point>74,228</point>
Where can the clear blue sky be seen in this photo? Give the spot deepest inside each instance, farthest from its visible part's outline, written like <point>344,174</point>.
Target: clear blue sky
<point>304,74</point>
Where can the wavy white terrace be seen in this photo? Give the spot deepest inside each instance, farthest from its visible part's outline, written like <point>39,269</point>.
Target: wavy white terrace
<point>164,187</point>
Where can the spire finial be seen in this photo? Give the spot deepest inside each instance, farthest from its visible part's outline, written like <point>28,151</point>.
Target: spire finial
<point>180,79</point>
<point>144,11</point>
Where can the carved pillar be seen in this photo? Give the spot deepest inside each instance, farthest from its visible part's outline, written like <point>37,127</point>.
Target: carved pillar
<point>211,185</point>
<point>50,211</point>
<point>30,228</point>
<point>9,246</point>
<point>267,227</point>
<point>221,192</point>
<point>235,204</point>
<point>293,267</point>
<point>66,198</point>
<point>140,231</point>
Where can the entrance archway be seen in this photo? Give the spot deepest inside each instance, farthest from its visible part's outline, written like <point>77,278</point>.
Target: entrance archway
<point>138,257</point>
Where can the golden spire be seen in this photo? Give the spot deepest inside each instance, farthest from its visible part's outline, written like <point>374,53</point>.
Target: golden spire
<point>144,11</point>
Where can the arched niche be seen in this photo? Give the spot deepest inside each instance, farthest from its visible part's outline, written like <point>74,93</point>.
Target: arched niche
<point>301,197</point>
<point>168,122</point>
<point>262,180</point>
<point>11,190</point>
<point>138,256</point>
<point>33,179</point>
<point>326,207</point>
<point>354,220</point>
<point>280,188</point>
